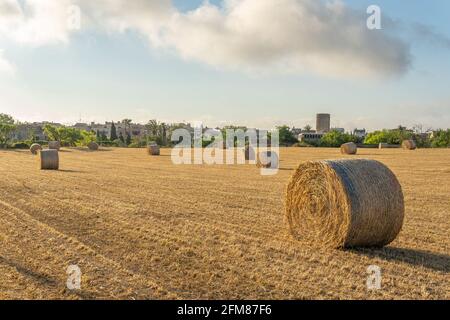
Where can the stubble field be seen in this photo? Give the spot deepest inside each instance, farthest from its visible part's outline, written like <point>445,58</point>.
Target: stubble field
<point>140,227</point>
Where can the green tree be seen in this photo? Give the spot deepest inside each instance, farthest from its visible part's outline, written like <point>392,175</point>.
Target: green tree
<point>307,128</point>
<point>286,136</point>
<point>128,139</point>
<point>121,138</point>
<point>441,139</point>
<point>51,132</point>
<point>7,128</point>
<point>88,137</point>
<point>113,136</point>
<point>395,136</point>
<point>336,138</point>
<point>67,136</point>
<point>152,127</point>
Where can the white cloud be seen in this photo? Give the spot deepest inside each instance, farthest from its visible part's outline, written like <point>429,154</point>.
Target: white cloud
<point>36,22</point>
<point>287,36</point>
<point>294,36</point>
<point>5,66</point>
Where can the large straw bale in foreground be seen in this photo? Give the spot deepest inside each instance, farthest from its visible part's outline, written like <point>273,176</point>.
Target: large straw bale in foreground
<point>409,145</point>
<point>35,148</point>
<point>349,148</point>
<point>54,145</point>
<point>345,203</point>
<point>49,159</point>
<point>153,150</point>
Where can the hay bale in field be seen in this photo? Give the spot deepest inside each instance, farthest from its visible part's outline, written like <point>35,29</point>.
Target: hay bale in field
<point>54,145</point>
<point>345,203</point>
<point>250,154</point>
<point>409,145</point>
<point>268,160</point>
<point>49,159</point>
<point>35,148</point>
<point>93,146</point>
<point>153,150</point>
<point>349,148</point>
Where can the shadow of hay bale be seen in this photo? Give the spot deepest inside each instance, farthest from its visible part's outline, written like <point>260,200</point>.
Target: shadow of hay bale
<point>41,278</point>
<point>429,260</point>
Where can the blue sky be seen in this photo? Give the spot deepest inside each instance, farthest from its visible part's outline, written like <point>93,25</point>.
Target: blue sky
<point>99,75</point>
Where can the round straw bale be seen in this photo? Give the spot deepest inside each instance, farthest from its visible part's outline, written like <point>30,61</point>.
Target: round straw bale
<point>409,145</point>
<point>268,160</point>
<point>49,160</point>
<point>35,147</point>
<point>345,203</point>
<point>250,153</point>
<point>54,145</point>
<point>349,148</point>
<point>92,146</point>
<point>153,150</point>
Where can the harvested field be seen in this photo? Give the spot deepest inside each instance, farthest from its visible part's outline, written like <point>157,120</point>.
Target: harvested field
<point>141,227</point>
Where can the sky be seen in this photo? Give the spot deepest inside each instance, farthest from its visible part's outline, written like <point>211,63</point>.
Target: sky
<point>258,63</point>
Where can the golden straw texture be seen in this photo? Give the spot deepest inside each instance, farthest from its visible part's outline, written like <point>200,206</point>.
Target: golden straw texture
<point>153,150</point>
<point>409,145</point>
<point>35,147</point>
<point>54,145</point>
<point>93,146</point>
<point>49,159</point>
<point>345,203</point>
<point>349,148</point>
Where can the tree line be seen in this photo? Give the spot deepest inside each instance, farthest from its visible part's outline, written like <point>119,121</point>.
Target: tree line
<point>160,133</point>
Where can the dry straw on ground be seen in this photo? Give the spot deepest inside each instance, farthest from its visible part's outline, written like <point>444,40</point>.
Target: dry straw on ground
<point>409,145</point>
<point>49,160</point>
<point>199,241</point>
<point>54,145</point>
<point>93,146</point>
<point>35,148</point>
<point>153,150</point>
<point>267,159</point>
<point>345,203</point>
<point>349,148</point>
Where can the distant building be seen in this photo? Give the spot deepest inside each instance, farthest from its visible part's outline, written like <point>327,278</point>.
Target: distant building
<point>135,130</point>
<point>35,130</point>
<point>341,130</point>
<point>360,133</point>
<point>323,122</point>
<point>311,136</point>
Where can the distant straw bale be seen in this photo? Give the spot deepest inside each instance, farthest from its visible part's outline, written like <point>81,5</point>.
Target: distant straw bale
<point>54,145</point>
<point>93,146</point>
<point>349,148</point>
<point>49,159</point>
<point>153,150</point>
<point>409,145</point>
<point>268,160</point>
<point>35,148</point>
